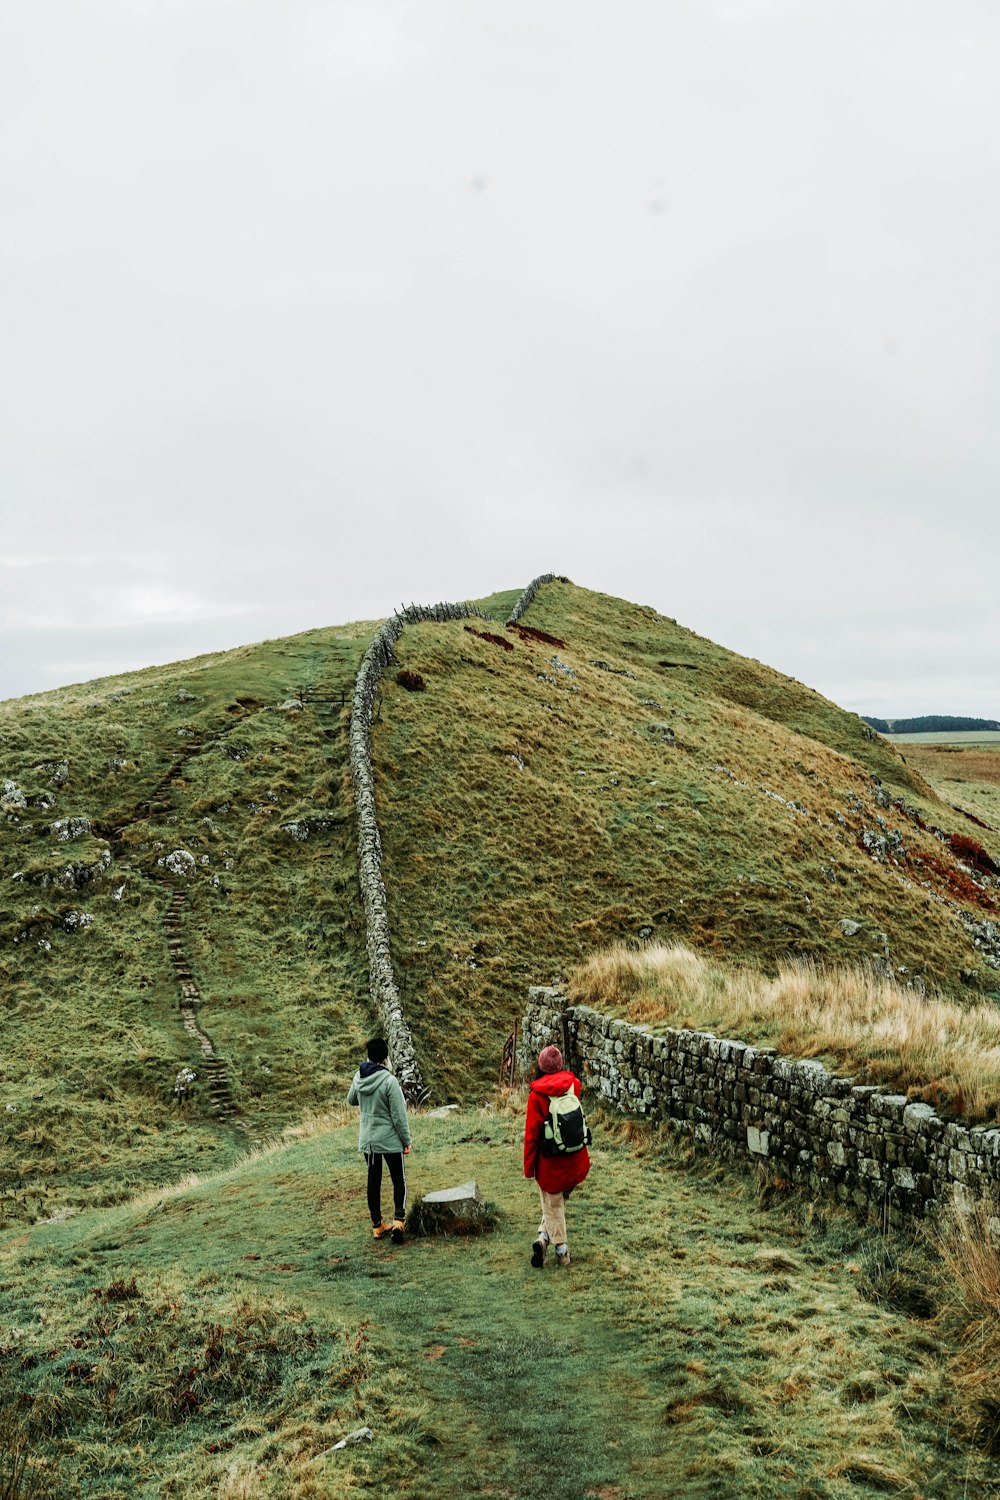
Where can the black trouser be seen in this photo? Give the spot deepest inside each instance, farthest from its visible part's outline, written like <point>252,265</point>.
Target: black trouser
<point>394,1161</point>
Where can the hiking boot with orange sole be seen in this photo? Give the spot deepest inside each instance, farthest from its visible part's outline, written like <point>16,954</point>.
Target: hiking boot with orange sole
<point>380,1230</point>
<point>398,1228</point>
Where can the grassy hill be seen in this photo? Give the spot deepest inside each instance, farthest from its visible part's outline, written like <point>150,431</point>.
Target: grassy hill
<point>603,775</point>
<point>198,757</point>
<point>537,802</point>
<point>639,782</point>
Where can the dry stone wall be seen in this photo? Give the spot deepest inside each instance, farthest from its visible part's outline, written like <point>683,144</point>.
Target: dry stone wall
<point>528,596</point>
<point>873,1151</point>
<point>381,975</point>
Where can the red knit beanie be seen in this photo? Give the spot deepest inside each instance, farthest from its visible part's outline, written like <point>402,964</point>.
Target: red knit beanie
<point>550,1060</point>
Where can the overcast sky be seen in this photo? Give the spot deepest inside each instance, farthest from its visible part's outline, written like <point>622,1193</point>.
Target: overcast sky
<point>310,308</point>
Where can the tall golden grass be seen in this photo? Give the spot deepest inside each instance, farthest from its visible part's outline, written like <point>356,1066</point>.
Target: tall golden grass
<point>969,1245</point>
<point>859,1022</point>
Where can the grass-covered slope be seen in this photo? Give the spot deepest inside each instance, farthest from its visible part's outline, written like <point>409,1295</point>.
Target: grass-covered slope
<point>536,803</point>
<point>199,757</point>
<point>687,664</point>
<point>217,1338</point>
<point>707,1342</point>
<point>541,801</point>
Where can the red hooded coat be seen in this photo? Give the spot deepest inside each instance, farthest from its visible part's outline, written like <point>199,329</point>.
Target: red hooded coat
<point>555,1174</point>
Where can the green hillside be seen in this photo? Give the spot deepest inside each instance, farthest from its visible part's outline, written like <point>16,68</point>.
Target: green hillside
<point>198,757</point>
<point>186,834</point>
<point>536,803</point>
<point>639,782</point>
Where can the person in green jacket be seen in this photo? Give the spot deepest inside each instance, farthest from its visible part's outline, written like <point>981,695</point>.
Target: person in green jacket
<point>384,1135</point>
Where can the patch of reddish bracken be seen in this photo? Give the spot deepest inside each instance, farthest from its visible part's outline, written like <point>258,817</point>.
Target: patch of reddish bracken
<point>487,635</point>
<point>958,885</point>
<point>971,853</point>
<point>528,633</point>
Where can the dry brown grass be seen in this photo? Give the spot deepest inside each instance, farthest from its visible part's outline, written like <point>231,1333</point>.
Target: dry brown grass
<point>864,1468</point>
<point>295,1476</point>
<point>947,763</point>
<point>935,1049</point>
<point>967,778</point>
<point>969,1245</point>
<point>242,1482</point>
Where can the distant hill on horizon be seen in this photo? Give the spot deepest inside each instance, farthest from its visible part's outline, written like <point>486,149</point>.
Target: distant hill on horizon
<point>929,724</point>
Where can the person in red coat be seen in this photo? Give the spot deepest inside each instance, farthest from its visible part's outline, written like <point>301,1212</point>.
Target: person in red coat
<point>557,1176</point>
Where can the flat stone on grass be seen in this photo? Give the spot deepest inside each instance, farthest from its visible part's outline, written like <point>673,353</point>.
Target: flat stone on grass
<point>454,1210</point>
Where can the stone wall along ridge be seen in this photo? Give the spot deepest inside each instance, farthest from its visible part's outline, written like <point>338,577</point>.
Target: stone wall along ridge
<point>384,989</point>
<point>528,596</point>
<point>873,1151</point>
<point>381,976</point>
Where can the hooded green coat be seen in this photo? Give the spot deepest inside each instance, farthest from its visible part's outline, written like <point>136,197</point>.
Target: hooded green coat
<point>384,1126</point>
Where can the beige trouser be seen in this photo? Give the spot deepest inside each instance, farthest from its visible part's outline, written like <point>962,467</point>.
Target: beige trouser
<point>553,1217</point>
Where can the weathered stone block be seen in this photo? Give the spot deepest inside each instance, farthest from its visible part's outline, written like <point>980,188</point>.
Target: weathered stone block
<point>963,1199</point>
<point>890,1106</point>
<point>758,1141</point>
<point>915,1116</point>
<point>455,1210</point>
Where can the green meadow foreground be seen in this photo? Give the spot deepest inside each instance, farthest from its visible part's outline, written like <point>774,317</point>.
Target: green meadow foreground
<point>711,1339</point>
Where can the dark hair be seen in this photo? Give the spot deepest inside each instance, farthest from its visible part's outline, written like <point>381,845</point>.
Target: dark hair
<point>378,1049</point>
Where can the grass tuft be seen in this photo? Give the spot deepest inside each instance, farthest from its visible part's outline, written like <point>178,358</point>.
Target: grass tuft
<point>20,1479</point>
<point>862,1468</point>
<point>969,1246</point>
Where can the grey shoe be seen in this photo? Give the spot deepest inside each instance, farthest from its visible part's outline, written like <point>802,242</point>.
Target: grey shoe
<point>562,1255</point>
<point>538,1250</point>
